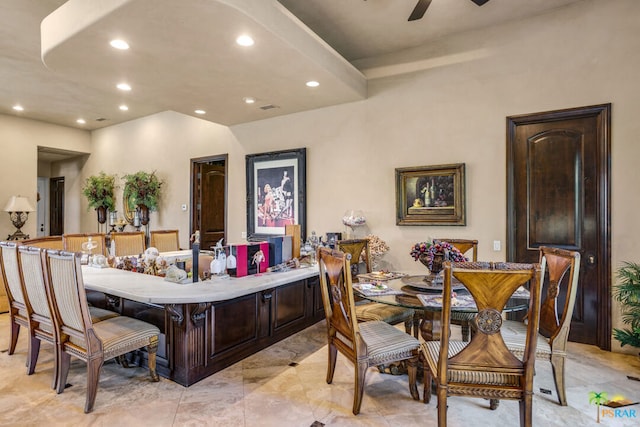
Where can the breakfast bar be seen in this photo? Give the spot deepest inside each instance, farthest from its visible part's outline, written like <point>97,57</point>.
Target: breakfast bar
<point>209,325</point>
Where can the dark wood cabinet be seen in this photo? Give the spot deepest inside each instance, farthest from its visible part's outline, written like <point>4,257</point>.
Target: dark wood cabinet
<point>198,340</point>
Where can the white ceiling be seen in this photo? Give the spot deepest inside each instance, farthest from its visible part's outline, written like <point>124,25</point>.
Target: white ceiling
<point>183,55</point>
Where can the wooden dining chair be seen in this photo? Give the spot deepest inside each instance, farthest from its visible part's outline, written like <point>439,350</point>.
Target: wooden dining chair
<point>460,318</point>
<point>128,243</point>
<point>47,242</point>
<point>40,325</point>
<point>365,344</point>
<point>559,295</point>
<point>79,337</point>
<point>73,242</point>
<point>367,311</point>
<point>164,240</point>
<point>484,367</point>
<point>10,270</point>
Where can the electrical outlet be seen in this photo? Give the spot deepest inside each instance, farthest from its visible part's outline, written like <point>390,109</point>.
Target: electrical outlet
<point>243,235</point>
<point>496,245</point>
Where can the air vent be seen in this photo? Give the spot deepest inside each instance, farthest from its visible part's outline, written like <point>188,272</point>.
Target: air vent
<point>268,107</point>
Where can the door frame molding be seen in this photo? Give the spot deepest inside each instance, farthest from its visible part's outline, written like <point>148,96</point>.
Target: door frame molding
<point>207,159</point>
<point>602,113</point>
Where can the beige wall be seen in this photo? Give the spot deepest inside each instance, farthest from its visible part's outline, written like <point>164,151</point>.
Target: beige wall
<point>450,113</point>
<point>19,141</point>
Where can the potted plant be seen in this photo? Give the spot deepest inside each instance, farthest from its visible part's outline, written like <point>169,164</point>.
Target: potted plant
<point>627,292</point>
<point>99,191</point>
<point>143,190</point>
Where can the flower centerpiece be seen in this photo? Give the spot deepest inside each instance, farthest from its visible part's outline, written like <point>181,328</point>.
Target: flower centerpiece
<point>99,191</point>
<point>433,253</point>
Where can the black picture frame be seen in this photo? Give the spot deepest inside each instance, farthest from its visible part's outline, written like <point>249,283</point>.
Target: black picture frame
<point>431,195</point>
<point>280,178</point>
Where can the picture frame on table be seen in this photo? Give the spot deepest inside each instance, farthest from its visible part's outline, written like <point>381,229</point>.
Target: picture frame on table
<point>276,193</point>
<point>431,195</point>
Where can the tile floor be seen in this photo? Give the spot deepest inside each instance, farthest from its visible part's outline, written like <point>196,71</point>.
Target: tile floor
<point>284,385</point>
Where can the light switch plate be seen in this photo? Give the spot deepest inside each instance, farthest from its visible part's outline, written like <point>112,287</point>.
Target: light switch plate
<point>184,207</point>
<point>496,245</point>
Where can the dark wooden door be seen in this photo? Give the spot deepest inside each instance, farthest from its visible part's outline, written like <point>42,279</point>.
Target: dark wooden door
<point>209,201</point>
<point>558,195</point>
<point>56,206</point>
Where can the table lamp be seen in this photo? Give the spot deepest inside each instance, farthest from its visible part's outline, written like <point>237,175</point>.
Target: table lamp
<point>18,208</point>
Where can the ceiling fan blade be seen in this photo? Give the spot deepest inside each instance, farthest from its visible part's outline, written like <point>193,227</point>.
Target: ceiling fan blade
<point>480,2</point>
<point>419,10</point>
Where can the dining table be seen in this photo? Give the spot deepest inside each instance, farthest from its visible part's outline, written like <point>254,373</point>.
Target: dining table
<point>423,293</point>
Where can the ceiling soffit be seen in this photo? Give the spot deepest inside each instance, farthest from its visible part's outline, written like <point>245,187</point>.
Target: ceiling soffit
<point>183,57</point>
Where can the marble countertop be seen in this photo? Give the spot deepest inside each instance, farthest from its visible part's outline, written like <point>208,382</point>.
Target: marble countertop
<point>155,290</point>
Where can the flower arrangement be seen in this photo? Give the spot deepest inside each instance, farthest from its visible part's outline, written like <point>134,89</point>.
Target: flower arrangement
<point>143,188</point>
<point>99,191</point>
<point>429,249</point>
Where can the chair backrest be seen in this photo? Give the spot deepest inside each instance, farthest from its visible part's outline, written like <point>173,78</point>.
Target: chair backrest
<point>128,243</point>
<point>355,248</point>
<point>68,300</point>
<point>164,240</point>
<point>464,246</point>
<point>48,242</point>
<point>73,242</point>
<point>32,274</point>
<point>563,268</point>
<point>11,273</point>
<point>491,286</point>
<point>338,301</point>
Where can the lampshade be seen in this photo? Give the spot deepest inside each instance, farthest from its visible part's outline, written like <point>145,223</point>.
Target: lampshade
<point>18,204</point>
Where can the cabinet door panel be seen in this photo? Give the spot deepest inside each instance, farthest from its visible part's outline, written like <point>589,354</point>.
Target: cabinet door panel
<point>289,304</point>
<point>235,323</point>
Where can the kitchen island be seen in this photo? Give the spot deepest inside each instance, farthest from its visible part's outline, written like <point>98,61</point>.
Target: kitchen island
<point>209,325</point>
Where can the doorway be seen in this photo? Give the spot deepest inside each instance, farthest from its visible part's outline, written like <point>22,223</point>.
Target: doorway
<point>209,199</point>
<point>558,194</point>
<point>56,206</point>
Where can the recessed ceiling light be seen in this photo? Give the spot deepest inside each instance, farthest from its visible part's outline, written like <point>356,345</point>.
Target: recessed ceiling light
<point>249,100</point>
<point>123,86</point>
<point>18,108</point>
<point>245,40</point>
<point>199,111</point>
<point>119,44</point>
<point>81,121</point>
<point>313,83</point>
<point>123,107</point>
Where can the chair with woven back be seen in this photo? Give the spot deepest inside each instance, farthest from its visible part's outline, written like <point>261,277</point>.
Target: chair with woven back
<point>128,243</point>
<point>79,337</point>
<point>74,242</point>
<point>366,310</point>
<point>559,295</point>
<point>164,240</point>
<point>461,318</point>
<point>10,269</point>
<point>365,344</point>
<point>47,242</point>
<point>484,367</point>
<point>40,321</point>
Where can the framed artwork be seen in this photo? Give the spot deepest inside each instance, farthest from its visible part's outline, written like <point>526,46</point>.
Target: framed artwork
<point>431,195</point>
<point>276,193</point>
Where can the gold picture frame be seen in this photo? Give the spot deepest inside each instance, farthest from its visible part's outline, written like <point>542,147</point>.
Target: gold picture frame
<point>431,195</point>
<point>128,205</point>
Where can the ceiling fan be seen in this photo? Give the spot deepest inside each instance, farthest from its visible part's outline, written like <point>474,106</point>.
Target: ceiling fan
<point>423,5</point>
